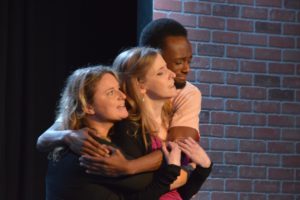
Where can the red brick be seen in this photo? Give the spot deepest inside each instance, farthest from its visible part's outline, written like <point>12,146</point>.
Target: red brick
<point>224,91</point>
<point>285,95</point>
<point>225,10</point>
<point>238,132</point>
<point>291,29</point>
<point>224,64</point>
<point>281,197</point>
<point>251,39</point>
<point>281,68</point>
<point>197,8</point>
<point>248,2</point>
<point>200,62</point>
<point>298,148</point>
<point>210,50</point>
<point>224,196</point>
<point>266,160</point>
<point>211,77</point>
<point>280,147</point>
<point>253,66</point>
<point>224,118</point>
<point>277,120</point>
<point>266,107</point>
<point>282,15</point>
<point>291,134</point>
<point>255,13</point>
<point>291,55</point>
<point>198,35</point>
<point>283,42</point>
<point>266,81</point>
<point>238,185</point>
<point>204,88</point>
<point>252,146</point>
<point>267,54</point>
<point>216,156</point>
<point>239,25</point>
<point>273,3</point>
<point>297,95</point>
<point>252,119</point>
<point>266,186</point>
<point>239,52</point>
<point>253,93</point>
<point>213,130</point>
<point>239,79</point>
<point>253,172</point>
<point>213,185</point>
<point>225,37</point>
<point>267,133</point>
<point>291,161</point>
<point>238,158</point>
<point>293,4</point>
<point>280,174</point>
<point>251,196</point>
<point>211,22</point>
<point>221,171</point>
<point>191,76</point>
<point>204,142</point>
<point>186,20</point>
<point>158,15</point>
<point>201,195</point>
<point>172,5</point>
<point>298,39</point>
<point>267,27</point>
<point>298,69</point>
<point>238,105</point>
<point>212,103</point>
<point>291,187</point>
<point>204,116</point>
<point>291,108</point>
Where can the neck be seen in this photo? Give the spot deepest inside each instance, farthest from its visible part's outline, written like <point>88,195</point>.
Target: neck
<point>101,127</point>
<point>155,107</point>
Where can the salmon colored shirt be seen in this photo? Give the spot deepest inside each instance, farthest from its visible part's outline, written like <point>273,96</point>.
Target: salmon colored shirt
<point>187,107</point>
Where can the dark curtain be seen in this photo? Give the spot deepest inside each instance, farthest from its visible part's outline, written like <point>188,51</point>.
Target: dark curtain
<point>41,42</point>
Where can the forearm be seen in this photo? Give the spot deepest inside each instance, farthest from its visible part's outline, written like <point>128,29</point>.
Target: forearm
<point>50,139</point>
<point>180,180</point>
<point>149,162</point>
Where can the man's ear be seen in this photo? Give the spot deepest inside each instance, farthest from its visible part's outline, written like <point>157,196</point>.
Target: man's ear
<point>89,109</point>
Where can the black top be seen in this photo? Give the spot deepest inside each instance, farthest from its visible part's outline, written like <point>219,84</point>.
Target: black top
<point>66,179</point>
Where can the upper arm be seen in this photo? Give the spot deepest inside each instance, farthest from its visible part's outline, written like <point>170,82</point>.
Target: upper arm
<point>187,107</point>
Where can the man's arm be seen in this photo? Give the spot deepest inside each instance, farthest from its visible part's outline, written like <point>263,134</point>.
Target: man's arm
<point>79,141</point>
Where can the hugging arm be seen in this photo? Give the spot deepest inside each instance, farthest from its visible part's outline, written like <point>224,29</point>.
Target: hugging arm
<point>79,141</point>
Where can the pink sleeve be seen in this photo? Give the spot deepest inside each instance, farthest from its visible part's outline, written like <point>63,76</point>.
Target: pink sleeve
<point>187,107</point>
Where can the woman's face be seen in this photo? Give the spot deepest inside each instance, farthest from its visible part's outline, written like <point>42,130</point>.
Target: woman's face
<point>108,101</point>
<point>159,80</point>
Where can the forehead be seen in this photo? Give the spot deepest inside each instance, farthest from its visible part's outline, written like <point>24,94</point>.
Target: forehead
<point>177,46</point>
<point>107,81</point>
<point>157,64</point>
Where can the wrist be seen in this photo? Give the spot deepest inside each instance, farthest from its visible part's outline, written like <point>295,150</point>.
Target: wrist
<point>65,138</point>
<point>129,169</point>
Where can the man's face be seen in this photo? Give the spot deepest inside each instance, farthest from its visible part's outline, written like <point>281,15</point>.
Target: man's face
<point>177,52</point>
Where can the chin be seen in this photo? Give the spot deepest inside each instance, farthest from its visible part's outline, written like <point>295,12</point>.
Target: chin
<point>179,84</point>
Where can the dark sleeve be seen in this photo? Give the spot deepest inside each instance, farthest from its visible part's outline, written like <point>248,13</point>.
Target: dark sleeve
<point>159,186</point>
<point>194,183</point>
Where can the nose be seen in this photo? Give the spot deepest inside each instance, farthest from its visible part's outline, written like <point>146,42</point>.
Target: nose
<point>186,67</point>
<point>172,74</point>
<point>122,96</point>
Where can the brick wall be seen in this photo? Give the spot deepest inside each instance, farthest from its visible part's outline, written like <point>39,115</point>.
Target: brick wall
<point>247,65</point>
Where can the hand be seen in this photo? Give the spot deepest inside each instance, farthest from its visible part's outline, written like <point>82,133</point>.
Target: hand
<point>172,153</point>
<point>113,166</point>
<point>195,152</point>
<point>82,142</point>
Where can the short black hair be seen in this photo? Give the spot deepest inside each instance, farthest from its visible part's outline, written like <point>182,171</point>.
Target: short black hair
<point>154,33</point>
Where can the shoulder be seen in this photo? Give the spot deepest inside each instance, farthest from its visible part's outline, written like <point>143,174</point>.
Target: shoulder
<point>189,93</point>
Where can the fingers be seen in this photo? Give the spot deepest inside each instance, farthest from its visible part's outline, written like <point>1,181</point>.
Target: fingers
<point>164,149</point>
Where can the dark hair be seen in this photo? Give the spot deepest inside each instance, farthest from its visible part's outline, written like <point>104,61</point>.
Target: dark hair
<point>154,33</point>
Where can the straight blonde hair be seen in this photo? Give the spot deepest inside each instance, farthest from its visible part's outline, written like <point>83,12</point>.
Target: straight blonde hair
<point>132,66</point>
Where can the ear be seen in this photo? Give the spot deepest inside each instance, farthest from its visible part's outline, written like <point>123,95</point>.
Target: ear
<point>142,87</point>
<point>89,109</point>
